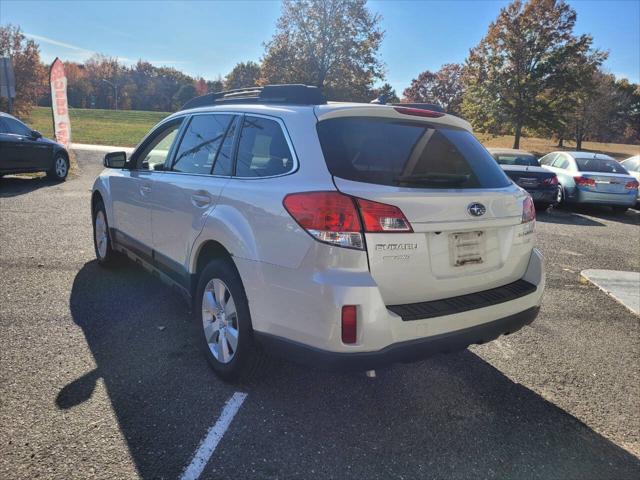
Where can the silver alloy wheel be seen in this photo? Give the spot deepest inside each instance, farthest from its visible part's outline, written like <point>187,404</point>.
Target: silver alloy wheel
<point>559,196</point>
<point>101,234</point>
<point>61,167</point>
<point>220,320</point>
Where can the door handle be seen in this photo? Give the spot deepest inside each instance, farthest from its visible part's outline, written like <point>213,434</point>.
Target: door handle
<point>145,190</point>
<point>200,200</point>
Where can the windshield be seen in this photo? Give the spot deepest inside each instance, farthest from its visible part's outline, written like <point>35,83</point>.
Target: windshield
<point>408,154</point>
<point>516,159</point>
<point>600,165</point>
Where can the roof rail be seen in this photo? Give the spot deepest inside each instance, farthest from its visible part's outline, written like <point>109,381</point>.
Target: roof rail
<point>296,94</point>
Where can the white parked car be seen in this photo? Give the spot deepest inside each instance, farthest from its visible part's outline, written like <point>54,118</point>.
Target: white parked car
<point>342,235</point>
<point>632,164</point>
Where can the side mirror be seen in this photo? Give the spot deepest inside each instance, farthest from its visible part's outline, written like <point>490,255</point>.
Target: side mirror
<point>115,160</point>
<point>35,134</point>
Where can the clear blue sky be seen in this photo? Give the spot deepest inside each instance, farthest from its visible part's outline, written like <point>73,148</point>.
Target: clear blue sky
<point>208,38</point>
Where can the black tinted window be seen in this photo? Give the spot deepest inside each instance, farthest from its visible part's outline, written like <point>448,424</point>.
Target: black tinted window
<point>263,149</point>
<point>17,127</point>
<point>516,159</point>
<point>600,165</point>
<point>3,127</point>
<point>391,152</point>
<point>201,142</point>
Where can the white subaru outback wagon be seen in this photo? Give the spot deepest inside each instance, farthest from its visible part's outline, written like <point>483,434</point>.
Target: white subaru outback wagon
<point>341,235</point>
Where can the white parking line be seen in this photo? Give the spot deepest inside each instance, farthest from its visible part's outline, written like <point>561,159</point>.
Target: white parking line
<point>212,438</point>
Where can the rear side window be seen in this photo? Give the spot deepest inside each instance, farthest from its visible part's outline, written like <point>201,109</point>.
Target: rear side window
<point>561,162</point>
<point>262,150</point>
<point>410,154</point>
<point>201,142</point>
<point>599,165</point>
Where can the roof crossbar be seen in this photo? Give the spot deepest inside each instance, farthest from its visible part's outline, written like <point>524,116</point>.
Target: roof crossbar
<point>296,94</point>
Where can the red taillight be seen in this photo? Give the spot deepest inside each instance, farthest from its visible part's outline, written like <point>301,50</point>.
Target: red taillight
<point>550,180</point>
<point>328,216</point>
<point>418,112</point>
<point>380,217</point>
<point>584,182</point>
<point>349,324</point>
<point>528,210</point>
<point>633,184</point>
<point>332,217</point>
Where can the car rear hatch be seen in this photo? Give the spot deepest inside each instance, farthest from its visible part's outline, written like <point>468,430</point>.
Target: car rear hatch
<point>465,215</point>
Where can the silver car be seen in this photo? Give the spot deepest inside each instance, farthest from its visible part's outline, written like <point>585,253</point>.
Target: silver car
<point>592,178</point>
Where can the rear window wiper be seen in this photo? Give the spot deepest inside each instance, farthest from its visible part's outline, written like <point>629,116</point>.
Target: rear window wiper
<point>434,179</point>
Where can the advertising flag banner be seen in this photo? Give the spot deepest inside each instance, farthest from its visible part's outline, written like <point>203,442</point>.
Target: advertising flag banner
<point>61,122</point>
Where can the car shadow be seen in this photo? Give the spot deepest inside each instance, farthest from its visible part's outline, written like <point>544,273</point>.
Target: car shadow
<point>453,416</point>
<point>565,217</point>
<point>630,217</point>
<point>12,186</point>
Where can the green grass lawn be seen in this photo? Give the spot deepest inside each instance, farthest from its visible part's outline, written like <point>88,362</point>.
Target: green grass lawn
<point>100,127</point>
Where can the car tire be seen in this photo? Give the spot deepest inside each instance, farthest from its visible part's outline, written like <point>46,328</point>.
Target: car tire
<point>105,255</point>
<point>620,210</point>
<point>560,197</point>
<point>60,168</point>
<point>225,330</point>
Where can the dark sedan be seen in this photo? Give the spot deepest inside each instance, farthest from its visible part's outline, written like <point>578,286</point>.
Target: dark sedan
<point>23,150</point>
<point>525,171</point>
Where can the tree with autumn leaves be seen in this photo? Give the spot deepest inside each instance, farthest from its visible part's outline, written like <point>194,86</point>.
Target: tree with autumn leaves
<point>29,72</point>
<point>529,60</point>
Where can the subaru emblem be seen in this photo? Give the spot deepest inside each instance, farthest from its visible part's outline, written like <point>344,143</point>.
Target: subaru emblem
<point>476,209</point>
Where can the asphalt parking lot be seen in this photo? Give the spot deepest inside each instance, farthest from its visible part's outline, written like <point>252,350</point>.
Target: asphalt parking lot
<point>99,377</point>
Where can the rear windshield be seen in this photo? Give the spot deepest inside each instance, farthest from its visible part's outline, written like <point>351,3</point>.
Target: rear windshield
<point>516,159</point>
<point>599,165</point>
<point>408,154</point>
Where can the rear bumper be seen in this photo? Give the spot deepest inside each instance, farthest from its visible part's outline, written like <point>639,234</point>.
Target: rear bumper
<point>544,195</point>
<point>409,351</point>
<point>310,334</point>
<point>597,198</point>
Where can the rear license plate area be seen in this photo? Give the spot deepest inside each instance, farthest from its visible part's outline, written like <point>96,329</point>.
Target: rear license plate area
<point>467,248</point>
<point>527,182</point>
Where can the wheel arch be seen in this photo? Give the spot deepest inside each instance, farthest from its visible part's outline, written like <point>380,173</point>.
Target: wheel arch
<point>203,254</point>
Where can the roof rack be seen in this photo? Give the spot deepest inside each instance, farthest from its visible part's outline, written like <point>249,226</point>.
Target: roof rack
<point>296,94</point>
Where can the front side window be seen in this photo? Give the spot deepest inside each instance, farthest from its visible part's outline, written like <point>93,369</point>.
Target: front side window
<point>262,150</point>
<point>16,127</point>
<point>155,152</point>
<point>548,159</point>
<point>201,143</point>
<point>407,154</point>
